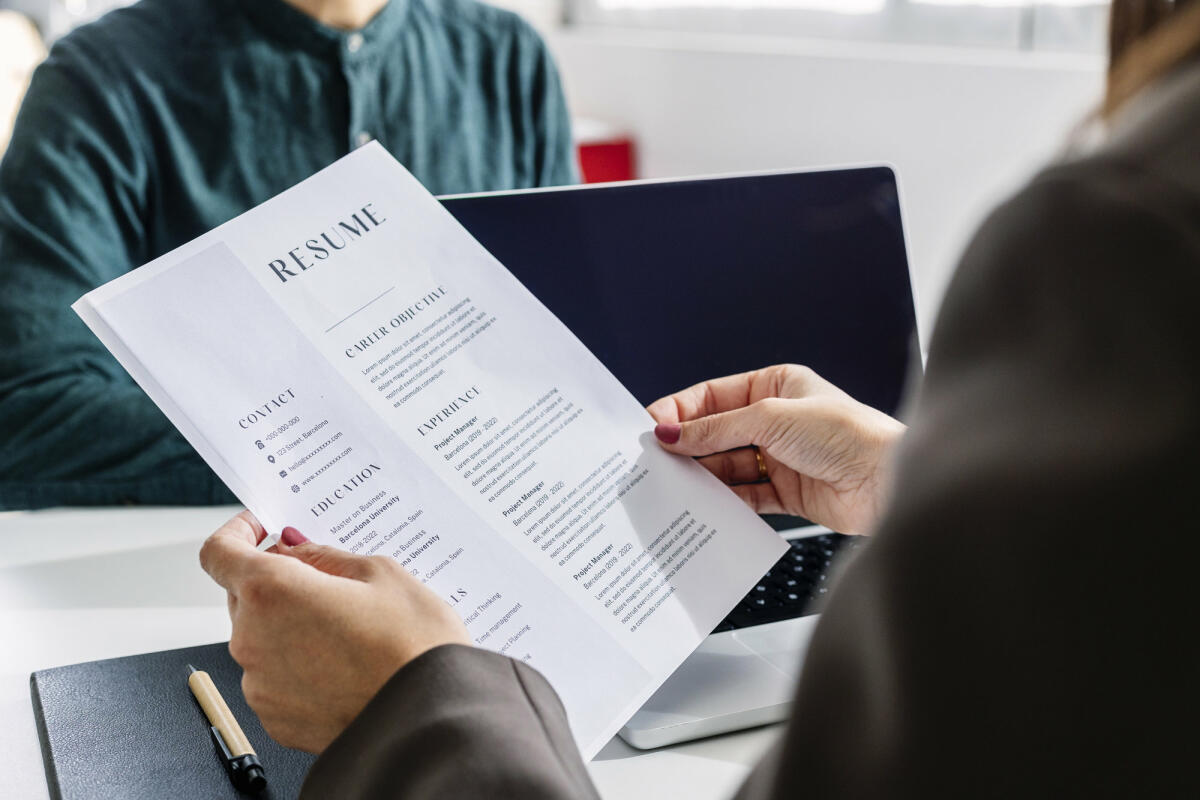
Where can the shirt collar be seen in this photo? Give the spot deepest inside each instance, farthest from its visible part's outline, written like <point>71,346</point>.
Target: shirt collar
<point>292,26</point>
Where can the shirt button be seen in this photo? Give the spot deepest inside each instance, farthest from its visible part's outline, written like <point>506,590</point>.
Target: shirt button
<point>353,42</point>
<point>363,138</point>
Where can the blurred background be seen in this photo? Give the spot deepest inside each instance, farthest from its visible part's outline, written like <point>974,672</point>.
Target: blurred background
<point>965,98</point>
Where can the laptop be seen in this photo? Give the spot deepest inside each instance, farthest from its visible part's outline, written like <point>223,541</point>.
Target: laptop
<point>676,281</point>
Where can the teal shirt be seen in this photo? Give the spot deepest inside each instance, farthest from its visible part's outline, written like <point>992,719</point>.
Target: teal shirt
<point>160,121</point>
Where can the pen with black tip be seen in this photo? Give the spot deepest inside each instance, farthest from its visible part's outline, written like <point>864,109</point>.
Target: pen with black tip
<point>234,748</point>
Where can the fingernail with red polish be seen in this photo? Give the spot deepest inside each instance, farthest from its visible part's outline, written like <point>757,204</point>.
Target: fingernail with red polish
<point>292,537</point>
<point>668,433</point>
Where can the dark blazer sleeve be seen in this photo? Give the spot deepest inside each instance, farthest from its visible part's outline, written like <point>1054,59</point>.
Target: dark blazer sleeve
<point>457,722</point>
<point>1021,623</point>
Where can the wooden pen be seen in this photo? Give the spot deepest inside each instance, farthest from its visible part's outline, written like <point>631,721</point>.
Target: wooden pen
<point>234,748</point>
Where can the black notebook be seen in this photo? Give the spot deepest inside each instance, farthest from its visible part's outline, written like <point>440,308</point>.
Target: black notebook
<point>129,728</point>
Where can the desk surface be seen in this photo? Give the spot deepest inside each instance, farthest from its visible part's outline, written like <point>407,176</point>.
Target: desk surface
<point>80,585</point>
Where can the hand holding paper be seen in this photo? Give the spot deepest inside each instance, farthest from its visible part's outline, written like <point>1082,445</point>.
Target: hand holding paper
<point>318,630</point>
<point>827,455</point>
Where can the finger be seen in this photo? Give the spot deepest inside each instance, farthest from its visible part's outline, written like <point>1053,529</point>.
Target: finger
<point>702,399</point>
<point>738,391</point>
<point>761,497</point>
<point>230,551</point>
<point>734,466</point>
<point>245,525</point>
<point>333,561</point>
<point>729,430</point>
<point>664,410</point>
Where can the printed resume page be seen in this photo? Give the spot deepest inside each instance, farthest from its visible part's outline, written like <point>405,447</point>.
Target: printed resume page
<point>350,361</point>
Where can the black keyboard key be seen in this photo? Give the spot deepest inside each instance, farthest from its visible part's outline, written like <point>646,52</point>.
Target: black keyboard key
<point>793,587</point>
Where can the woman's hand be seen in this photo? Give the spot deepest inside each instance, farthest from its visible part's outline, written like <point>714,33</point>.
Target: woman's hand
<point>317,630</point>
<point>825,454</point>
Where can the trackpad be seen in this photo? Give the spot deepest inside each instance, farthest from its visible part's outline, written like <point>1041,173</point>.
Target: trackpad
<point>782,644</point>
<point>721,677</point>
<point>734,680</point>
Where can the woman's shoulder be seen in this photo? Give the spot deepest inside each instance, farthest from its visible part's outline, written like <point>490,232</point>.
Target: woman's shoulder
<point>1113,233</point>
<point>1158,128</point>
<point>1139,188</point>
<point>1092,209</point>
<point>1148,159</point>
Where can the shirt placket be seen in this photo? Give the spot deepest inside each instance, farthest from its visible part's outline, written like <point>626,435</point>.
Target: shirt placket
<point>356,70</point>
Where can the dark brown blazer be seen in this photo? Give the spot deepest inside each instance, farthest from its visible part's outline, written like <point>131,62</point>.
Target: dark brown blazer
<point>1025,620</point>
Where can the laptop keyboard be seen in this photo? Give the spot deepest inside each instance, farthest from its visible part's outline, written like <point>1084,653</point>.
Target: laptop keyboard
<point>794,587</point>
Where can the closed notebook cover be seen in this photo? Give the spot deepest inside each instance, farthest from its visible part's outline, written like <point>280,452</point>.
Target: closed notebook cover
<point>129,728</point>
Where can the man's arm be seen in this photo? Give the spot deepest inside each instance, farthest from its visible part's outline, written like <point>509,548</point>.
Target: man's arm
<point>555,160</point>
<point>74,185</point>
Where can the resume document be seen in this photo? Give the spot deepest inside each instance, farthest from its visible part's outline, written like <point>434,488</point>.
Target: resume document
<point>351,362</point>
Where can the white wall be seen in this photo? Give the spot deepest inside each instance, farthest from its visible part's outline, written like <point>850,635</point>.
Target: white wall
<point>962,128</point>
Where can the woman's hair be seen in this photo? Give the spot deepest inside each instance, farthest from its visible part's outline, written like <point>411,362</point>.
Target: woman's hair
<point>1147,39</point>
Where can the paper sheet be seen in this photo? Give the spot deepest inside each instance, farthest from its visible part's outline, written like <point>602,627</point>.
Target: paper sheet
<point>351,362</point>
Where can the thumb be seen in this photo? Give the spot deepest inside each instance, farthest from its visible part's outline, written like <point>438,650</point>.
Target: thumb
<point>333,561</point>
<point>719,432</point>
<point>229,553</point>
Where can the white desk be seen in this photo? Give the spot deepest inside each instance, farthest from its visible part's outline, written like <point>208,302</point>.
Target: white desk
<point>80,585</point>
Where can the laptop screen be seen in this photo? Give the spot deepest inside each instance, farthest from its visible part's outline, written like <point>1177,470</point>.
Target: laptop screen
<point>671,283</point>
